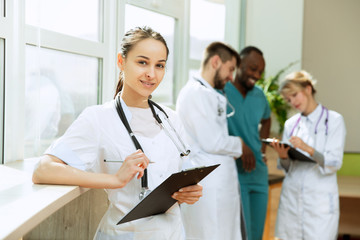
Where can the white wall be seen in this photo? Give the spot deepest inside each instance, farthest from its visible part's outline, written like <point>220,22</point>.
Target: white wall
<point>331,52</point>
<point>276,28</point>
<point>325,36</point>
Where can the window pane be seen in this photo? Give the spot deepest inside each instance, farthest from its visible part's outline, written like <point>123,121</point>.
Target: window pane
<point>2,70</point>
<point>166,27</point>
<point>58,86</point>
<point>206,27</point>
<point>78,18</point>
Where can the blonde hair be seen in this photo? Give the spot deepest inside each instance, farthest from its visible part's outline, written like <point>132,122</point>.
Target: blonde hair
<point>297,81</point>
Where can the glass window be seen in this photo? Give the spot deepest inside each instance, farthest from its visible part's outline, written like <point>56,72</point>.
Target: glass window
<point>166,27</point>
<point>58,86</point>
<point>206,27</point>
<point>2,71</point>
<point>78,18</point>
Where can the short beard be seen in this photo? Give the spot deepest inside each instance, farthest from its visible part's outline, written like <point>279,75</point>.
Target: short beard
<point>218,82</point>
<point>245,86</point>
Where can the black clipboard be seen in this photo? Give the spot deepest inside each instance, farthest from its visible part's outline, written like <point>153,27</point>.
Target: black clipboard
<point>293,153</point>
<point>159,200</point>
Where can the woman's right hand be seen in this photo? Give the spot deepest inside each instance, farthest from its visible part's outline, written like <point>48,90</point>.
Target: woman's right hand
<point>134,164</point>
<point>280,148</point>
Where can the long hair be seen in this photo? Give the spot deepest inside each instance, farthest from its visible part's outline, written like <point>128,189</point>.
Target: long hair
<point>130,39</point>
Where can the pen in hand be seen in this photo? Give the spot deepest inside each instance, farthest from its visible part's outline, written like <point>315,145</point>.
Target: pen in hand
<point>119,161</point>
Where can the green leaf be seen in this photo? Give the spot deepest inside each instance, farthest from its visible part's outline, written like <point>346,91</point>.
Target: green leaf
<point>278,106</point>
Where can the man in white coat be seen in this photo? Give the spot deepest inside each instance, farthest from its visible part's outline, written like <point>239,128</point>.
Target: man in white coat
<point>203,112</point>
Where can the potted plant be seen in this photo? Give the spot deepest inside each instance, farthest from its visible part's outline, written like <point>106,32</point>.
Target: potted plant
<point>278,105</point>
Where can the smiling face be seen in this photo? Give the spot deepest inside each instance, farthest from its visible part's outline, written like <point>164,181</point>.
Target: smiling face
<point>250,70</point>
<point>143,69</point>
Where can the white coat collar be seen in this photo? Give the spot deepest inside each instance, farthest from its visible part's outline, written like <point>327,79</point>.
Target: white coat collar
<point>127,111</point>
<point>314,115</point>
<point>197,77</point>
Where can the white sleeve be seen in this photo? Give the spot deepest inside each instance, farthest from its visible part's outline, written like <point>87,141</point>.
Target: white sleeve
<point>334,147</point>
<point>79,146</point>
<point>198,111</point>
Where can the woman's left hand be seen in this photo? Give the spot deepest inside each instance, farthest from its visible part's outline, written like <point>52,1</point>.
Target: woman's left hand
<point>190,194</point>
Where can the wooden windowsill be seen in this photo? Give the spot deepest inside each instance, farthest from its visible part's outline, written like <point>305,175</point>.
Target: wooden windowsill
<point>23,205</point>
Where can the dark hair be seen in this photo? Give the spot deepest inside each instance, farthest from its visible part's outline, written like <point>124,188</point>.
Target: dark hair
<point>247,50</point>
<point>224,51</point>
<point>130,39</point>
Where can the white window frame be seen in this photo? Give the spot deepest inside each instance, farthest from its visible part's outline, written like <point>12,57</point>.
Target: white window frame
<point>17,35</point>
<point>4,25</point>
<point>2,77</point>
<point>233,27</point>
<point>2,8</point>
<point>234,24</point>
<point>14,70</point>
<point>176,9</point>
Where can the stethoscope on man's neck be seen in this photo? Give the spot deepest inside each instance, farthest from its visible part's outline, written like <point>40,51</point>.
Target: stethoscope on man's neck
<point>220,109</point>
<point>181,147</point>
<point>323,108</point>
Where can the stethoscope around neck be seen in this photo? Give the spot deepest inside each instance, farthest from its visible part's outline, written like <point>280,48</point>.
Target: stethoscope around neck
<point>181,147</point>
<point>317,123</point>
<point>220,109</point>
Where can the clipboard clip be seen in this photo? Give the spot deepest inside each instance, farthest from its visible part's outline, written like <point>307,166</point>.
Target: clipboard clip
<point>144,192</point>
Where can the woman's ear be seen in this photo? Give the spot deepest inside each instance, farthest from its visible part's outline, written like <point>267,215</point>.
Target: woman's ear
<point>120,61</point>
<point>308,90</point>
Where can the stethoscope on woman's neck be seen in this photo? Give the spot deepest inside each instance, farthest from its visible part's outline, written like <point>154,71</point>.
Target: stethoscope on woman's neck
<point>181,147</point>
<point>323,108</point>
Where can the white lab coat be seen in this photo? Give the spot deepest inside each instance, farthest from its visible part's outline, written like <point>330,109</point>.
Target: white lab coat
<point>203,113</point>
<point>99,134</point>
<point>309,201</point>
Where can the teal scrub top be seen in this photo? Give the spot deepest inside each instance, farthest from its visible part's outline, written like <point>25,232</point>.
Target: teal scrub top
<point>249,112</point>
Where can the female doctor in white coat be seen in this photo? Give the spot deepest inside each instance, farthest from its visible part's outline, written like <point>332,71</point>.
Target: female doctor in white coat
<point>309,201</point>
<point>97,150</point>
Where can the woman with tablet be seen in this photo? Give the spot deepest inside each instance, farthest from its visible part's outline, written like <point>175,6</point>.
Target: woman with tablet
<point>309,201</point>
<point>110,146</point>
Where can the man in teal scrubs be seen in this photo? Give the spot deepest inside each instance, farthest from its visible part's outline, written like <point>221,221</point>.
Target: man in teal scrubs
<point>251,109</point>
